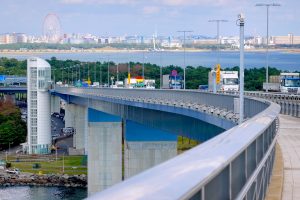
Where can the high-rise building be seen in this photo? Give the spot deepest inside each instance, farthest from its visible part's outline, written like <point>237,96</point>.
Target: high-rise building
<point>38,105</point>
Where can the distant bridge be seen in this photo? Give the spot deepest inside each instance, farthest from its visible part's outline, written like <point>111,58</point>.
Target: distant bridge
<point>13,90</point>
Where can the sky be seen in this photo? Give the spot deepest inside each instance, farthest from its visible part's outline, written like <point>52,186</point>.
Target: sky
<point>145,17</point>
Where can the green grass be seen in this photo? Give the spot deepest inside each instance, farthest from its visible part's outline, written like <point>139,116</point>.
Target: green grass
<point>49,164</point>
<point>72,164</point>
<point>184,144</point>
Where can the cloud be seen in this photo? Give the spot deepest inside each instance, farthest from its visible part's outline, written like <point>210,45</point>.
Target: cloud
<point>151,10</point>
<point>195,2</point>
<point>153,2</point>
<point>99,1</point>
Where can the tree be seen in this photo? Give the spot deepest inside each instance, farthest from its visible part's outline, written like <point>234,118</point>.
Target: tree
<point>12,129</point>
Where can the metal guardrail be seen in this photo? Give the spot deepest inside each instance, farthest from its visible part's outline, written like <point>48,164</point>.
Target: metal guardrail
<point>236,164</point>
<point>290,103</point>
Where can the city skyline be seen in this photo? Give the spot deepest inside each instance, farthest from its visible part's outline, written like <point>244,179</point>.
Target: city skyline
<point>132,17</point>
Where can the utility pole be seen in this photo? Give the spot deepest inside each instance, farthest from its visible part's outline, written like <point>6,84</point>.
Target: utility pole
<point>267,5</point>
<point>184,65</point>
<point>218,49</point>
<point>241,20</point>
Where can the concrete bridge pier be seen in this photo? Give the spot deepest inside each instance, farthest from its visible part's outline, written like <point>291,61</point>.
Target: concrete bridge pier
<point>146,147</point>
<point>77,117</point>
<point>55,104</point>
<point>105,151</point>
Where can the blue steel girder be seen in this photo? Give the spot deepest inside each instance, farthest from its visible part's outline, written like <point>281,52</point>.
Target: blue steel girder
<point>193,124</point>
<point>13,90</point>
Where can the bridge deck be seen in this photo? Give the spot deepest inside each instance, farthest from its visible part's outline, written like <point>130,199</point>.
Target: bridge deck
<point>289,141</point>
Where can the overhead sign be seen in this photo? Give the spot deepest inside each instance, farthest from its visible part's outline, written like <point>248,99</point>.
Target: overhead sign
<point>174,72</point>
<point>218,73</point>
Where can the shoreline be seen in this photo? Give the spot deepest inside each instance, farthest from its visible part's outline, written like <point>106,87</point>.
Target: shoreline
<point>53,180</point>
<point>109,50</point>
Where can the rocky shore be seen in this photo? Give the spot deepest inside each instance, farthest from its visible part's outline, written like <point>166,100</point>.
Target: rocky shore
<point>42,180</point>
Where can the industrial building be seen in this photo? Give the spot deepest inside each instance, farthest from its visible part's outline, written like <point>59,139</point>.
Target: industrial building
<point>289,39</point>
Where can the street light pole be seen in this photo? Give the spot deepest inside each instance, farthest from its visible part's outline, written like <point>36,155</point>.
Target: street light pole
<point>79,73</point>
<point>100,74</point>
<point>267,5</point>
<point>143,69</point>
<point>218,49</point>
<point>72,74</point>
<point>63,169</point>
<point>62,75</point>
<point>241,20</point>
<point>95,72</point>
<point>68,74</point>
<point>160,71</point>
<point>108,73</point>
<point>184,32</point>
<point>118,72</point>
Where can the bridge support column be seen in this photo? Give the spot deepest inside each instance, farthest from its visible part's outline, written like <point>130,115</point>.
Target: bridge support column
<point>81,128</point>
<point>77,117</point>
<point>146,147</point>
<point>55,104</point>
<point>104,151</point>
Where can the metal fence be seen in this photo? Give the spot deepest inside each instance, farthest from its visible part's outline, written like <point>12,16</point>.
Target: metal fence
<point>236,164</point>
<point>289,103</point>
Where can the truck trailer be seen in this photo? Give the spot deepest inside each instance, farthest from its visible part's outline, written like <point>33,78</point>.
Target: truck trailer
<point>285,82</point>
<point>229,81</point>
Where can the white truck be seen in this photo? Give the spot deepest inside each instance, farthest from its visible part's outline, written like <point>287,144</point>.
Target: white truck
<point>229,81</point>
<point>285,83</point>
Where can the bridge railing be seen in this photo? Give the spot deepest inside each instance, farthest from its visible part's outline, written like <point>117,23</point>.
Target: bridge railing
<point>289,103</point>
<point>222,101</point>
<point>236,164</point>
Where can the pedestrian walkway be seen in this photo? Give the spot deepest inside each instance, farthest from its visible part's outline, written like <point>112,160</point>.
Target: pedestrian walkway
<point>289,141</point>
<point>276,184</point>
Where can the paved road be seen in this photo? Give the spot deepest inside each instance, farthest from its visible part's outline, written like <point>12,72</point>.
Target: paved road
<point>56,125</point>
<point>289,141</point>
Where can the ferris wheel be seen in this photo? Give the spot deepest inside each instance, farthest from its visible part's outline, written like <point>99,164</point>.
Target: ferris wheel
<point>52,28</point>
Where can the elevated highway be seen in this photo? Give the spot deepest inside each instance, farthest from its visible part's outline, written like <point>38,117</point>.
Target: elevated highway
<point>236,159</point>
<point>235,164</point>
